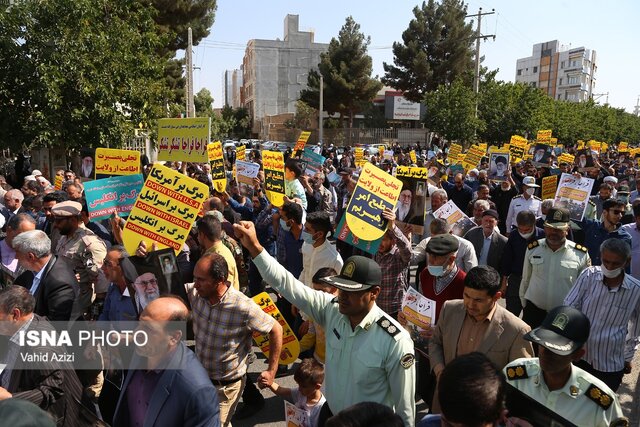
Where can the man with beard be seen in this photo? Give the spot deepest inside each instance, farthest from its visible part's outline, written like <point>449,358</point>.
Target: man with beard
<point>146,287</point>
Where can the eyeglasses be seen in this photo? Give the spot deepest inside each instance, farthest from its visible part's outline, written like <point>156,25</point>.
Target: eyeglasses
<point>150,282</point>
<point>615,212</point>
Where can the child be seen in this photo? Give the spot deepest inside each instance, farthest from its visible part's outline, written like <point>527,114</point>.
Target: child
<point>293,188</point>
<point>309,376</point>
<point>314,337</point>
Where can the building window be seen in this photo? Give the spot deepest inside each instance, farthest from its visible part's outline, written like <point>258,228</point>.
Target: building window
<point>520,72</point>
<point>535,69</point>
<point>560,81</point>
<point>562,64</point>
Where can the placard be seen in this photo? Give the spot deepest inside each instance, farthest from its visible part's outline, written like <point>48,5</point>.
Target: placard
<point>108,195</point>
<point>375,191</point>
<point>114,162</point>
<point>549,187</point>
<point>457,219</point>
<point>454,151</point>
<point>216,159</point>
<point>290,344</point>
<point>359,157</point>
<point>57,184</point>
<point>302,140</point>
<point>414,158</point>
<point>499,165</point>
<point>412,203</point>
<point>165,210</point>
<point>344,233</point>
<point>246,172</point>
<point>241,152</point>
<point>183,139</point>
<point>573,194</point>
<point>313,160</point>
<point>544,136</point>
<point>541,155</point>
<point>273,164</point>
<point>294,416</point>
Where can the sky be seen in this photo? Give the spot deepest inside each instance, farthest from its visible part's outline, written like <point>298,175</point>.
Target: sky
<point>610,28</point>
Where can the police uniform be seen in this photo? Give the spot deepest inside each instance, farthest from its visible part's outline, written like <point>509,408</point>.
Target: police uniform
<point>548,275</point>
<point>86,252</point>
<point>373,362</point>
<point>519,204</point>
<point>584,400</point>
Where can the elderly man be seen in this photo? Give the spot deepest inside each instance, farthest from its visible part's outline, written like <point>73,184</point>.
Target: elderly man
<point>438,198</point>
<point>465,257</point>
<point>610,298</point>
<point>224,321</point>
<point>166,386</point>
<point>9,265</point>
<point>51,280</point>
<point>459,192</point>
<point>487,240</point>
<point>12,204</point>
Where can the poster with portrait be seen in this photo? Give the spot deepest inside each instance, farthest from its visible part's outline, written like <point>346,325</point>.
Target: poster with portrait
<point>573,194</point>
<point>411,206</point>
<point>460,223</point>
<point>541,155</point>
<point>87,162</point>
<point>499,164</point>
<point>584,160</point>
<point>155,274</point>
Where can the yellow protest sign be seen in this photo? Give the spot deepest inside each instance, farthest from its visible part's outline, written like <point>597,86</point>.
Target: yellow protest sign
<point>302,140</point>
<point>375,191</point>
<point>290,344</point>
<point>553,141</point>
<point>454,151</point>
<point>473,157</point>
<point>57,184</point>
<point>112,162</point>
<point>183,140</point>
<point>412,172</point>
<point>381,151</point>
<point>273,164</point>
<point>359,156</point>
<point>518,140</point>
<point>566,157</point>
<point>216,158</point>
<point>241,153</point>
<point>544,135</point>
<point>414,158</point>
<point>549,186</point>
<point>165,210</point>
<point>580,144</point>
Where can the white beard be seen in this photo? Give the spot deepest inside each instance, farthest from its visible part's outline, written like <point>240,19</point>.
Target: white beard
<point>402,212</point>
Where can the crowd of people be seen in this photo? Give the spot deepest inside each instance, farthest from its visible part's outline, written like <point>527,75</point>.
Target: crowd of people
<point>564,334</point>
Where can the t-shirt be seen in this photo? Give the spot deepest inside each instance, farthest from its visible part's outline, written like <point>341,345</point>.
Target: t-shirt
<point>313,411</point>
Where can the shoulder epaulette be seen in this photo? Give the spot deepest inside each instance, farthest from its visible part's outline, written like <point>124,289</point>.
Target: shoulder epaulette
<point>532,244</point>
<point>592,203</point>
<point>517,372</point>
<point>515,197</point>
<point>388,326</point>
<point>537,198</point>
<point>581,248</point>
<point>596,394</point>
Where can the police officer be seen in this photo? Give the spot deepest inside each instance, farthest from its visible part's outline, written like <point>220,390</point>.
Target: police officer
<point>371,355</point>
<point>554,382</point>
<point>83,249</point>
<point>551,266</point>
<point>525,201</point>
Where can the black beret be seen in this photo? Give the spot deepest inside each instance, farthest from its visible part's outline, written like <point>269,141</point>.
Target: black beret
<point>442,244</point>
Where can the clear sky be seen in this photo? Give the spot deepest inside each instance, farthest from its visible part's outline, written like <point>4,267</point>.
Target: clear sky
<point>612,28</point>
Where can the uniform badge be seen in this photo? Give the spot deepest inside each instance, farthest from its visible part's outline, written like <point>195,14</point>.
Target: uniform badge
<point>517,372</point>
<point>349,269</point>
<point>407,360</point>
<point>533,244</point>
<point>600,397</point>
<point>620,422</point>
<point>388,327</point>
<point>560,321</point>
<point>573,390</point>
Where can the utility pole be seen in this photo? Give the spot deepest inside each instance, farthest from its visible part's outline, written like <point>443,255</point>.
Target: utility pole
<point>636,110</point>
<point>478,37</point>
<point>320,129</point>
<point>191,109</point>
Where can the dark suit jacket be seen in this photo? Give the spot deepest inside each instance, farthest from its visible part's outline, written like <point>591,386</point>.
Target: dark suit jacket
<point>53,386</point>
<point>56,293</point>
<point>184,396</point>
<point>476,237</point>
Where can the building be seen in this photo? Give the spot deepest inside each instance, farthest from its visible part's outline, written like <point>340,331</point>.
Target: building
<point>232,88</point>
<point>563,73</point>
<point>275,71</point>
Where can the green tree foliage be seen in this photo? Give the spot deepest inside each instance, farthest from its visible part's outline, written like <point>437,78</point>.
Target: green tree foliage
<point>304,118</point>
<point>203,101</point>
<point>174,17</point>
<point>78,72</point>
<point>346,69</point>
<point>435,50</point>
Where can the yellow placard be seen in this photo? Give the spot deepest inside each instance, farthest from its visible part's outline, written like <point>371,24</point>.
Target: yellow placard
<point>414,158</point>
<point>580,144</point>
<point>165,210</point>
<point>290,344</point>
<point>411,172</point>
<point>241,153</point>
<point>454,151</point>
<point>623,146</point>
<point>549,186</point>
<point>553,141</point>
<point>518,140</point>
<point>273,164</point>
<point>302,140</point>
<point>375,191</point>
<point>216,159</point>
<point>359,157</point>
<point>112,162</point>
<point>183,140</point>
<point>544,135</point>
<point>57,183</point>
<point>381,150</point>
<point>474,155</point>
<point>566,157</point>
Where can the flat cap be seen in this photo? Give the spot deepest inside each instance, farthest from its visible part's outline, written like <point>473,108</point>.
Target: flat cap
<point>66,209</point>
<point>443,244</point>
<point>491,212</point>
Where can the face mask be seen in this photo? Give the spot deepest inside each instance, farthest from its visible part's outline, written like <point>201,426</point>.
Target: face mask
<point>530,191</point>
<point>283,225</point>
<point>526,236</point>
<point>436,270</point>
<point>610,274</point>
<point>307,237</point>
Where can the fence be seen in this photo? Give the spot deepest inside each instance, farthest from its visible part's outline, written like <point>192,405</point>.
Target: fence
<point>353,136</point>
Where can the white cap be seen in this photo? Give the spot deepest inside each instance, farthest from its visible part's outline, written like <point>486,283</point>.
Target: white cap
<point>611,179</point>
<point>474,170</point>
<point>529,181</point>
<point>36,172</point>
<point>29,178</point>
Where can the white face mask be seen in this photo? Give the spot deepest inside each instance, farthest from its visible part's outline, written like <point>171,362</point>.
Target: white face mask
<point>526,236</point>
<point>531,191</point>
<point>610,274</point>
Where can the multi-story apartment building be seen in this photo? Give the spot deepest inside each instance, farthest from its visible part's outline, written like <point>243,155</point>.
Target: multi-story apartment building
<point>232,88</point>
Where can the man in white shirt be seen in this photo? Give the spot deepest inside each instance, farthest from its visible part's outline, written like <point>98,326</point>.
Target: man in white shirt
<point>466,256</point>
<point>634,230</point>
<point>317,251</point>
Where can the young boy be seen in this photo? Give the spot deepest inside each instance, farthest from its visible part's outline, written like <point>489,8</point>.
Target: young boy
<point>293,188</point>
<point>309,376</point>
<point>314,337</point>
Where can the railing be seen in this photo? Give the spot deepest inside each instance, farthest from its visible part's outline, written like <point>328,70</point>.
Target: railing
<point>355,136</point>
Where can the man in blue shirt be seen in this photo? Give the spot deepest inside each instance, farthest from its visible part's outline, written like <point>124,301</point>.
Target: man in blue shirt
<point>459,192</point>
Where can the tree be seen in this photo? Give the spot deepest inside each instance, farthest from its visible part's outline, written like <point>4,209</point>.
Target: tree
<point>203,101</point>
<point>346,69</point>
<point>451,112</point>
<point>175,18</point>
<point>304,118</point>
<point>78,73</point>
<point>435,50</point>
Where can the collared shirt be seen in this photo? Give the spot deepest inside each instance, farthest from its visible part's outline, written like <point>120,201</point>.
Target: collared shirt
<point>393,265</point>
<point>12,354</point>
<point>519,204</point>
<point>220,249</point>
<point>472,332</point>
<point>633,230</point>
<point>595,234</point>
<point>313,259</point>
<point>9,260</point>
<point>223,332</point>
<point>440,283</point>
<point>118,306</point>
<point>366,361</point>
<point>36,280</point>
<point>486,245</point>
<point>571,401</point>
<point>614,318</point>
<point>547,275</point>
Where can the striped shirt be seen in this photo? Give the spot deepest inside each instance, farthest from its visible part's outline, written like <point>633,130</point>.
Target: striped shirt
<point>614,318</point>
<point>223,332</point>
